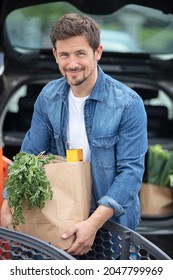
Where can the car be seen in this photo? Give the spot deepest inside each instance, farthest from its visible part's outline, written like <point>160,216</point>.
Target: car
<point>137,38</point>
<point>1,71</point>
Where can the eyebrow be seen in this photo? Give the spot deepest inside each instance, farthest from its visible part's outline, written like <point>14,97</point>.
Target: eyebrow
<point>64,52</point>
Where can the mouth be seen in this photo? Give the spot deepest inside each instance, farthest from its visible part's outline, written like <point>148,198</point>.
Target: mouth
<point>73,74</point>
<point>73,71</point>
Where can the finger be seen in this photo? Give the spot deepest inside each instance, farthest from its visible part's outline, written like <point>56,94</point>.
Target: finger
<point>69,233</point>
<point>78,249</point>
<point>80,252</point>
<point>74,249</point>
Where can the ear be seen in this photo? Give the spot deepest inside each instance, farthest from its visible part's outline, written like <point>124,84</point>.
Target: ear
<point>98,52</point>
<point>55,54</point>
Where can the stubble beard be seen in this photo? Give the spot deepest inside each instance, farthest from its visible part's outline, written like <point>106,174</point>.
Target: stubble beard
<point>77,81</point>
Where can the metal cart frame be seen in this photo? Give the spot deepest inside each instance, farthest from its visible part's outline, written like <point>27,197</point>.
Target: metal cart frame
<point>113,241</point>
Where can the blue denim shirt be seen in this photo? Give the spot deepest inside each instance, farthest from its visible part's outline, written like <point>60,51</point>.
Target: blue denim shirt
<point>116,127</point>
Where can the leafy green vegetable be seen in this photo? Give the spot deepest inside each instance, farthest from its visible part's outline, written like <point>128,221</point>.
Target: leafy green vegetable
<point>160,166</point>
<point>27,180</point>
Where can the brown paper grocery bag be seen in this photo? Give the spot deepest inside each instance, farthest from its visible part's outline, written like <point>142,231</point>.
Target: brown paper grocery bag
<point>156,200</point>
<point>71,186</point>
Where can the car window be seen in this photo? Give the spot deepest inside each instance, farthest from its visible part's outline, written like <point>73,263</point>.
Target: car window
<point>132,29</point>
<point>162,100</point>
<point>1,63</point>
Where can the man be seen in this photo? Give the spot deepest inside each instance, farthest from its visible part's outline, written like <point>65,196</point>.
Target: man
<point>90,110</point>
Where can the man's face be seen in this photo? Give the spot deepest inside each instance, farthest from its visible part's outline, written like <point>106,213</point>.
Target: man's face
<point>77,61</point>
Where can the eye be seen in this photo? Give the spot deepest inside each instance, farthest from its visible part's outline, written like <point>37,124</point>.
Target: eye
<point>81,54</point>
<point>63,55</point>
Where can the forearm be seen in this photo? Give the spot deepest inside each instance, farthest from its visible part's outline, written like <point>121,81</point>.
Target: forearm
<point>5,208</point>
<point>100,216</point>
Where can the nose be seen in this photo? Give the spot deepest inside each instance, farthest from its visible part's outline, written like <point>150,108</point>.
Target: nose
<point>72,62</point>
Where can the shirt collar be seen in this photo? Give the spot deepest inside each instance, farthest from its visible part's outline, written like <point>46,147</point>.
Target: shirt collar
<point>98,90</point>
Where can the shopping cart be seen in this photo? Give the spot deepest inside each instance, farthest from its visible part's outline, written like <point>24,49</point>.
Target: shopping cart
<point>131,245</point>
<point>19,246</point>
<point>113,241</point>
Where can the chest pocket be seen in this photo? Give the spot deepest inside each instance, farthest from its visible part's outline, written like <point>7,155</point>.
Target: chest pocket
<point>104,150</point>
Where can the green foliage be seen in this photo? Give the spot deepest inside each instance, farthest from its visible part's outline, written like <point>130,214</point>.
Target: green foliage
<point>27,181</point>
<point>160,166</point>
<point>48,12</point>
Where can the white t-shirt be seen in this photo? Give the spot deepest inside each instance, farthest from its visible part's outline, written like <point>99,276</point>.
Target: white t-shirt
<point>76,135</point>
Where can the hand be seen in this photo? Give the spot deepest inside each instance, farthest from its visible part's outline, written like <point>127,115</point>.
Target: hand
<point>6,216</point>
<point>86,230</point>
<point>85,235</point>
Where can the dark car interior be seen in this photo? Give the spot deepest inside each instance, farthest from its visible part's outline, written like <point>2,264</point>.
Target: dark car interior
<point>160,127</point>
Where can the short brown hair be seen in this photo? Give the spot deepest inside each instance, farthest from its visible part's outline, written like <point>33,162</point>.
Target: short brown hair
<point>71,25</point>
